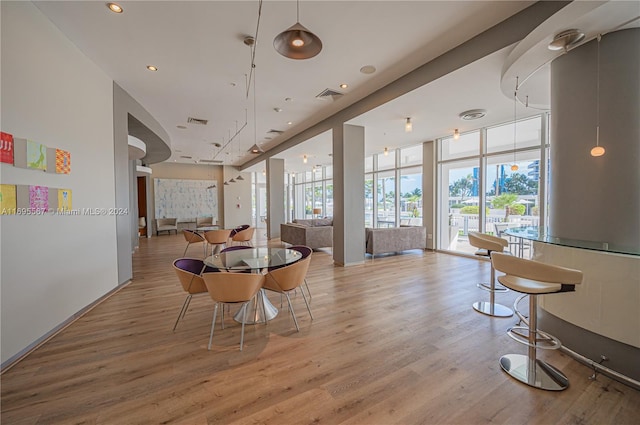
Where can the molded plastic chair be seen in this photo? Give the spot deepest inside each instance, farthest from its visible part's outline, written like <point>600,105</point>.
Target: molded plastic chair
<point>232,288</point>
<point>216,238</point>
<point>287,279</point>
<point>238,229</point>
<point>306,252</point>
<point>244,236</point>
<point>189,272</point>
<point>533,278</point>
<point>193,237</point>
<point>487,244</point>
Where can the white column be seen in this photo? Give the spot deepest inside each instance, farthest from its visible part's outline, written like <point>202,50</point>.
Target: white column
<point>275,197</point>
<point>348,195</point>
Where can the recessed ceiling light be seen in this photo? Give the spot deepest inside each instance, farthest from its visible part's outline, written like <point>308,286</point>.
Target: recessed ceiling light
<point>289,122</point>
<point>277,109</point>
<point>181,127</point>
<point>216,144</point>
<point>232,84</point>
<point>288,99</point>
<point>368,69</point>
<point>152,68</point>
<point>114,7</point>
<point>344,86</point>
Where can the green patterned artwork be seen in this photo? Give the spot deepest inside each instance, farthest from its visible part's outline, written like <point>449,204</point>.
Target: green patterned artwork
<point>36,155</point>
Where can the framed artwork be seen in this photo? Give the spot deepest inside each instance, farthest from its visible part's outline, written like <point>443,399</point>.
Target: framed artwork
<point>6,148</point>
<point>7,199</point>
<point>63,162</point>
<point>64,200</point>
<point>36,155</point>
<point>39,198</point>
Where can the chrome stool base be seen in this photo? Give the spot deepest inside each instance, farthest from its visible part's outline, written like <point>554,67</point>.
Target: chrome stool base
<point>488,288</point>
<point>539,374</point>
<point>492,309</point>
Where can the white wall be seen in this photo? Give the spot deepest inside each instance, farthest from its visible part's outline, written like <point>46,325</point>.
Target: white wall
<point>53,266</point>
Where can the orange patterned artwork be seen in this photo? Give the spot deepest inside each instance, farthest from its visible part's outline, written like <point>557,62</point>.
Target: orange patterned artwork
<point>63,162</point>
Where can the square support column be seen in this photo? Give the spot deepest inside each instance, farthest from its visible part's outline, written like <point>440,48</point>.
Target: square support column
<point>429,191</point>
<point>348,195</point>
<point>275,197</point>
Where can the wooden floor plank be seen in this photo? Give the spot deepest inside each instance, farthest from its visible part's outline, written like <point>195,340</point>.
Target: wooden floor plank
<point>394,340</point>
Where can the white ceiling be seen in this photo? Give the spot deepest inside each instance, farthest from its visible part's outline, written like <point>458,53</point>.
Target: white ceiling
<point>203,65</point>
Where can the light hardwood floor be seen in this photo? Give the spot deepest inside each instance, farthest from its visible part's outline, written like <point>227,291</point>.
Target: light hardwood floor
<point>394,341</point>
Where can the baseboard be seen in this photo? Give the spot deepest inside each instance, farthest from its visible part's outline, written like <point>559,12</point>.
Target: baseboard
<point>15,359</point>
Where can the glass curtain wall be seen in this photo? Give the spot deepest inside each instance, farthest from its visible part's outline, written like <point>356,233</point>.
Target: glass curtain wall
<point>313,191</point>
<point>479,187</point>
<point>393,188</point>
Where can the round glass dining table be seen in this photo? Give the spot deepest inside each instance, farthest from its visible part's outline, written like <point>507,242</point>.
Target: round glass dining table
<point>255,260</point>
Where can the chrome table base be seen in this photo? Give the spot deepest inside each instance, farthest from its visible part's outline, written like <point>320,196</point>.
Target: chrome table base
<point>255,313</point>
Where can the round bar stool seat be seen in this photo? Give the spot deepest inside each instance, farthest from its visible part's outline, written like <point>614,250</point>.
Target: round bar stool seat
<point>487,244</point>
<point>533,278</point>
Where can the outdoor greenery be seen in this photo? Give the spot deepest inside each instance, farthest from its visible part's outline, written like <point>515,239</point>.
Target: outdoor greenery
<point>462,187</point>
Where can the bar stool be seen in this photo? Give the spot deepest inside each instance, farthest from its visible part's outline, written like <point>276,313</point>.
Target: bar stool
<point>533,278</point>
<point>487,244</point>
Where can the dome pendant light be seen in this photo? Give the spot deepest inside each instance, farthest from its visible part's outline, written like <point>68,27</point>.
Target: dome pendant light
<point>297,42</point>
<point>598,150</point>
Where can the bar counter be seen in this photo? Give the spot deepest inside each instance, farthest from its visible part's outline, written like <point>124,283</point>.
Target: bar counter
<point>601,319</point>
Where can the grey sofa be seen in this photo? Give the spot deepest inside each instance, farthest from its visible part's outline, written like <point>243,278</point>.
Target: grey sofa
<point>312,233</point>
<point>395,239</point>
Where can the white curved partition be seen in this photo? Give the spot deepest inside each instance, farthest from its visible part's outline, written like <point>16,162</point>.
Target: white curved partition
<point>137,148</point>
<point>142,171</point>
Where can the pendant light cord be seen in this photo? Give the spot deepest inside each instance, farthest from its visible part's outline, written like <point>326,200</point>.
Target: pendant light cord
<point>598,91</point>
<point>515,121</point>
<point>297,10</point>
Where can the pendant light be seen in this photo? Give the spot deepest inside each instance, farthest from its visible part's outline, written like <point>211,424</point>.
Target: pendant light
<point>297,42</point>
<point>514,167</point>
<point>386,151</point>
<point>240,178</point>
<point>598,150</point>
<point>456,134</point>
<point>408,126</point>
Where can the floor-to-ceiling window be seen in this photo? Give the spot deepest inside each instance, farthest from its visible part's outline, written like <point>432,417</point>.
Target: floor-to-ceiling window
<point>393,188</point>
<point>490,181</point>
<point>313,191</point>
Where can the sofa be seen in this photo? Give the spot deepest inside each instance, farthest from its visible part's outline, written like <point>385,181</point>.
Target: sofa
<point>395,239</point>
<point>166,225</point>
<point>316,233</point>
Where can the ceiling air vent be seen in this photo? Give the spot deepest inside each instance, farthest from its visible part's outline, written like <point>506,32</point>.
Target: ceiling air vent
<point>186,157</point>
<point>211,161</point>
<point>199,121</point>
<point>329,94</point>
<point>472,114</point>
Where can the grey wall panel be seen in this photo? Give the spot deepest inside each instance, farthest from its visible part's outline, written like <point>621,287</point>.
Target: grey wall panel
<point>597,198</point>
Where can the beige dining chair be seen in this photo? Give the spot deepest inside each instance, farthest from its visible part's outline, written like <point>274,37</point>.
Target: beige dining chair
<point>243,237</point>
<point>216,238</point>
<point>189,272</point>
<point>286,279</point>
<point>193,237</point>
<point>232,288</point>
